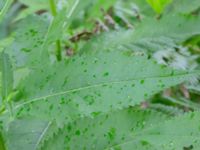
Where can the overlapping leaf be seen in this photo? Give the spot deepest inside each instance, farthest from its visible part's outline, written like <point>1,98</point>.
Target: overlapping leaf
<point>28,133</point>
<point>150,34</point>
<point>28,40</point>
<point>129,129</point>
<point>104,130</point>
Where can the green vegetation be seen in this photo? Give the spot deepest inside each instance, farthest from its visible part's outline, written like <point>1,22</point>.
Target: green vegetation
<point>99,74</point>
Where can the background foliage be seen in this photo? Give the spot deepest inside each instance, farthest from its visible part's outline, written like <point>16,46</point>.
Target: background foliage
<point>97,74</point>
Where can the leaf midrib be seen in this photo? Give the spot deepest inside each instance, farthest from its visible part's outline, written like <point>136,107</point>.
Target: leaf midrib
<point>42,135</point>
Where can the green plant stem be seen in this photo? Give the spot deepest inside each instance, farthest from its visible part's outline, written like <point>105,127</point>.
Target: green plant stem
<point>182,103</point>
<point>10,107</point>
<point>58,50</point>
<point>58,43</point>
<point>53,7</point>
<point>5,9</point>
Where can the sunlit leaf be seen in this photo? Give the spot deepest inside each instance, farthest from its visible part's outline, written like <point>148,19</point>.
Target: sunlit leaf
<point>159,5</point>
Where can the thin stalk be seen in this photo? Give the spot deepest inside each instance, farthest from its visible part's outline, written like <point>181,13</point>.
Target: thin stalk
<point>10,107</point>
<point>7,81</point>
<point>182,103</point>
<point>5,9</point>
<point>58,43</point>
<point>53,7</point>
<point>58,50</point>
<point>195,106</point>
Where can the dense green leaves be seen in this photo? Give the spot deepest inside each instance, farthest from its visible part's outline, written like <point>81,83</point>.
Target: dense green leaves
<point>91,96</point>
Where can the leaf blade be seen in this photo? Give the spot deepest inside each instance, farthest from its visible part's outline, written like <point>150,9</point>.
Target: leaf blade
<point>106,85</point>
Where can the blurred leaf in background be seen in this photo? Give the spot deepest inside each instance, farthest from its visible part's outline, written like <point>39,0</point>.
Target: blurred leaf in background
<point>159,5</point>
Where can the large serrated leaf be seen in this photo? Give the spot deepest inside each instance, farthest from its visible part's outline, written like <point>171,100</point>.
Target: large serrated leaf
<point>127,130</point>
<point>105,130</point>
<point>91,84</point>
<point>79,91</point>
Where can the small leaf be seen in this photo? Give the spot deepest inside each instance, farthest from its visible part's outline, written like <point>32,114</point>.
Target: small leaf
<point>159,5</point>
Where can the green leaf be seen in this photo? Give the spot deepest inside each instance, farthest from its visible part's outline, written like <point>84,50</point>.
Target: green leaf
<point>150,35</point>
<point>61,22</point>
<point>36,3</point>
<point>86,101</point>
<point>130,129</point>
<point>183,6</point>
<point>2,143</point>
<point>104,131</point>
<point>4,9</point>
<point>32,7</point>
<point>29,133</point>
<point>159,5</point>
<point>7,75</point>
<point>97,5</point>
<point>172,133</point>
<point>32,30</point>
<point>6,82</point>
<point>100,83</point>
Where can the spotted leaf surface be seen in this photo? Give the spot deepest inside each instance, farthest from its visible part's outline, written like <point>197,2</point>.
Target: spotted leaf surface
<point>26,133</point>
<point>105,130</point>
<point>129,129</point>
<point>32,30</point>
<point>92,84</point>
<point>84,74</point>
